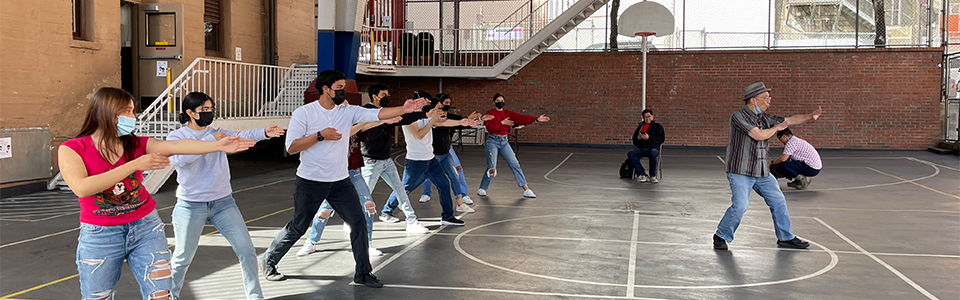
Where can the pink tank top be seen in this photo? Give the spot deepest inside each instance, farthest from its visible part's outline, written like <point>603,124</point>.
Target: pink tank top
<point>126,201</point>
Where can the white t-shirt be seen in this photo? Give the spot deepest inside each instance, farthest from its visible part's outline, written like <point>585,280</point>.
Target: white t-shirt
<point>326,161</point>
<point>419,149</point>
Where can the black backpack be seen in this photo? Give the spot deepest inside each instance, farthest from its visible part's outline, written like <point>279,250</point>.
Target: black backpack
<point>626,169</point>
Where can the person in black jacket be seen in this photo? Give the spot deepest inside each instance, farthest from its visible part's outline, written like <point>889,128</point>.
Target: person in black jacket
<point>443,149</point>
<point>648,137</point>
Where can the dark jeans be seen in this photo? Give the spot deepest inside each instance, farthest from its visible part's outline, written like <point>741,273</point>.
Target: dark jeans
<point>307,197</point>
<point>414,173</point>
<point>791,168</point>
<point>637,153</point>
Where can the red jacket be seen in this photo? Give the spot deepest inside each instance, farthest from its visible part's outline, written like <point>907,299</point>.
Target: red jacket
<point>495,127</point>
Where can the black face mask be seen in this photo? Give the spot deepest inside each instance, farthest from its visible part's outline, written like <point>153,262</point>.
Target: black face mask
<point>384,101</point>
<point>500,105</point>
<point>205,119</point>
<point>341,96</point>
<point>446,107</point>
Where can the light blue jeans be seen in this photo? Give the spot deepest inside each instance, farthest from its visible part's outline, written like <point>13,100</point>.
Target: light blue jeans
<point>374,169</point>
<point>188,221</point>
<point>326,211</point>
<point>102,249</point>
<point>451,167</point>
<point>498,144</point>
<point>766,187</point>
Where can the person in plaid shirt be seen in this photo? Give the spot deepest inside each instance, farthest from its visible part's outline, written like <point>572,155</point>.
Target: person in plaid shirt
<point>799,161</point>
<point>748,168</point>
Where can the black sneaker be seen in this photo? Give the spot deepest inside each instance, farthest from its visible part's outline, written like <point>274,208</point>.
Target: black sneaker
<point>719,243</point>
<point>368,280</point>
<point>270,273</point>
<point>453,221</point>
<point>795,243</point>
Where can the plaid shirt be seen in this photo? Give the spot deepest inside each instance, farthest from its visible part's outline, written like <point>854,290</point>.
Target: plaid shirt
<point>800,149</point>
<point>746,156</point>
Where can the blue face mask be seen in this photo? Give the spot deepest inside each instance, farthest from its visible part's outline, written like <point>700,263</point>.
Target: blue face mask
<point>125,125</point>
<point>757,109</point>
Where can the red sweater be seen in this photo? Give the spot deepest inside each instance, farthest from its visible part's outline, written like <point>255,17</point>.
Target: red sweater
<point>495,127</point>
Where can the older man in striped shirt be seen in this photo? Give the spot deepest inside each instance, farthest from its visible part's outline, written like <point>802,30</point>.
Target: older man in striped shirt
<point>747,166</point>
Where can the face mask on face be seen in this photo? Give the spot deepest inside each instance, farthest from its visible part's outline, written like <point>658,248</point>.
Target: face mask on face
<point>446,107</point>
<point>340,96</point>
<point>500,105</point>
<point>125,125</point>
<point>384,101</point>
<point>205,119</point>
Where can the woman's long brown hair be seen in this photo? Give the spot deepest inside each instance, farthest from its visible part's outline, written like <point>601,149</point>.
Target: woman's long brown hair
<point>102,114</point>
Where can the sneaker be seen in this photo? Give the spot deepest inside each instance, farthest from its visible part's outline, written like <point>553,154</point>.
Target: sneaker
<point>452,221</point>
<point>719,243</point>
<point>793,183</point>
<point>805,182</point>
<point>415,227</point>
<point>307,248</point>
<point>464,208</point>
<point>482,192</point>
<point>795,243</point>
<point>346,228</point>
<point>654,179</point>
<point>368,280</point>
<point>374,252</point>
<point>424,199</point>
<point>467,200</point>
<point>388,218</point>
<point>529,193</point>
<point>643,178</point>
<point>270,273</point>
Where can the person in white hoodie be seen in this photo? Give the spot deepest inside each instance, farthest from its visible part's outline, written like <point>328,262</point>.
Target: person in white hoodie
<point>204,194</point>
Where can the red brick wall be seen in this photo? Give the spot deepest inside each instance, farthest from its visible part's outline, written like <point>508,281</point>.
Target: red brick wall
<point>871,98</point>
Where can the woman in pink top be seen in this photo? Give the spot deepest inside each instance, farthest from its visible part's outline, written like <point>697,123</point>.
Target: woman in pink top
<point>104,166</point>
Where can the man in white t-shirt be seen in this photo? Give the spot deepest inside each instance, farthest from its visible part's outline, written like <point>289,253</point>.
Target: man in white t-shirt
<point>799,161</point>
<point>315,132</point>
<point>421,163</point>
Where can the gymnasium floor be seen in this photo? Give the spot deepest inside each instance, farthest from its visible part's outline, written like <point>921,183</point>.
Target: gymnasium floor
<point>882,225</point>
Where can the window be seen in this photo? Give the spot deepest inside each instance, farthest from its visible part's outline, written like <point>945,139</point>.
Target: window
<point>212,28</point>
<point>78,19</point>
<point>161,30</point>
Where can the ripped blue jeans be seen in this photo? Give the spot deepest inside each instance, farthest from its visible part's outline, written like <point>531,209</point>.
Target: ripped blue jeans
<point>326,211</point>
<point>102,250</point>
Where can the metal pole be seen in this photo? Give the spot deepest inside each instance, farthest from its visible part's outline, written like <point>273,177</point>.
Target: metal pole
<point>643,103</point>
<point>769,15</point>
<point>683,31</point>
<point>856,26</point>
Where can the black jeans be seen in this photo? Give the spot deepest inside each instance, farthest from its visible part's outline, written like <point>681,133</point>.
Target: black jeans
<point>791,168</point>
<point>307,197</point>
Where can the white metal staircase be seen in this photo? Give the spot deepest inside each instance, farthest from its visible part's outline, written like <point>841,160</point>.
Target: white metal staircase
<point>245,96</point>
<point>487,60</point>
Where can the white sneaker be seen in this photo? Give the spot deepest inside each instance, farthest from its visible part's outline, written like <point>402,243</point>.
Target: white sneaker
<point>374,252</point>
<point>346,228</point>
<point>643,178</point>
<point>467,200</point>
<point>654,179</point>
<point>529,193</point>
<point>424,199</point>
<point>464,208</point>
<point>415,227</point>
<point>306,249</point>
<point>482,192</point>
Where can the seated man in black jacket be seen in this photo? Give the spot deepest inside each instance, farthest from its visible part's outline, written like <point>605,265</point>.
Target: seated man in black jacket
<point>648,137</point>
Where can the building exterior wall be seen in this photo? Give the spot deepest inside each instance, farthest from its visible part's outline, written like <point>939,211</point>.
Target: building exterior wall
<point>871,98</point>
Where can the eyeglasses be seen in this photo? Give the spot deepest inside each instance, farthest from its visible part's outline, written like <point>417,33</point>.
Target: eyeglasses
<point>768,98</point>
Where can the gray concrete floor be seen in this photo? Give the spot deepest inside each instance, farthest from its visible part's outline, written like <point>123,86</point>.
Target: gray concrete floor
<point>882,224</point>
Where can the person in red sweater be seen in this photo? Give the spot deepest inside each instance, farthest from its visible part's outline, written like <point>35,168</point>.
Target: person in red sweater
<point>497,143</point>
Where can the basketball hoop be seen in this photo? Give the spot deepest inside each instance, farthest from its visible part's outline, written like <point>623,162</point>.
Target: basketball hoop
<point>645,34</point>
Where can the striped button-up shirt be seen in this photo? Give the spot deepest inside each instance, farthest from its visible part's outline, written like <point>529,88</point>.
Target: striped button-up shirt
<point>746,156</point>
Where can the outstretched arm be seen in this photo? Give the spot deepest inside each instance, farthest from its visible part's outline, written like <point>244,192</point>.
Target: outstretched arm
<point>408,107</point>
<point>800,119</point>
<point>228,144</point>
<point>74,172</point>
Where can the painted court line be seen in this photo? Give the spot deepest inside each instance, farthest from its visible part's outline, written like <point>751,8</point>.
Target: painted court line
<point>426,287</point>
<point>409,247</point>
<point>721,160</point>
<point>917,184</point>
<point>878,260</point>
<point>632,276</point>
<point>932,163</point>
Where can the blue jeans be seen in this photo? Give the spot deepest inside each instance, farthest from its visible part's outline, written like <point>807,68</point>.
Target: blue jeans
<point>374,169</point>
<point>326,211</point>
<point>414,173</point>
<point>766,187</point>
<point>498,144</point>
<point>224,215</point>
<point>102,249</point>
<point>637,153</point>
<point>791,168</point>
<point>451,167</point>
